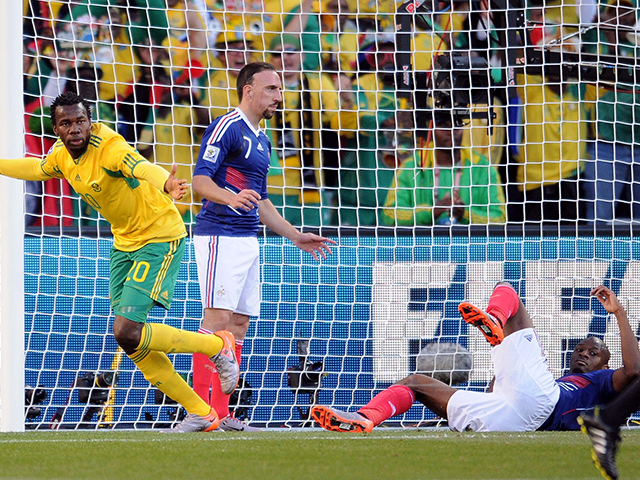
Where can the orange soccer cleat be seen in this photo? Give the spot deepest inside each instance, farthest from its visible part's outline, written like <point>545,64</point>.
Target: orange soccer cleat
<point>486,323</point>
<point>338,421</point>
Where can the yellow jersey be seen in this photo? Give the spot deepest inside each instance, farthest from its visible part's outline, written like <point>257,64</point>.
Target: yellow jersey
<point>555,133</point>
<point>174,141</point>
<point>111,176</point>
<point>221,96</point>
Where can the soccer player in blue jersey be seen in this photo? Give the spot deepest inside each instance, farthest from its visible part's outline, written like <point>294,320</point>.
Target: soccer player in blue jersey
<point>524,395</point>
<point>231,177</point>
<point>136,197</point>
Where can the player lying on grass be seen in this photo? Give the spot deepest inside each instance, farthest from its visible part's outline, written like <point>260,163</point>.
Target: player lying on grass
<point>524,394</point>
<point>603,428</point>
<point>135,196</point>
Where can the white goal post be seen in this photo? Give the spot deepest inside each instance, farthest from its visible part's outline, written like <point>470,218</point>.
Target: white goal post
<point>11,225</point>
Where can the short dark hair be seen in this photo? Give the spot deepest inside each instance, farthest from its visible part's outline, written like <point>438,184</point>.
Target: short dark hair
<point>245,77</point>
<point>68,99</point>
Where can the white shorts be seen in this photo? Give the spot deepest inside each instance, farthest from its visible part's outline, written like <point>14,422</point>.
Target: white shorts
<point>524,392</point>
<point>229,273</point>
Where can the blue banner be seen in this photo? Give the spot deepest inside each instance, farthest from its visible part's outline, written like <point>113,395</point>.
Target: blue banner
<point>367,310</point>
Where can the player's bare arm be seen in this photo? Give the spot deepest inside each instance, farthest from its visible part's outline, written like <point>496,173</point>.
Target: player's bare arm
<point>176,187</point>
<point>246,199</point>
<point>629,345</point>
<point>308,242</point>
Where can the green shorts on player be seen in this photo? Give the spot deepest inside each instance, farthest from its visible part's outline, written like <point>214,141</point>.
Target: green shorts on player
<point>143,278</point>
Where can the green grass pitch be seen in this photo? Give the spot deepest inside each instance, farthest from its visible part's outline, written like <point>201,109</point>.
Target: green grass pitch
<point>306,454</point>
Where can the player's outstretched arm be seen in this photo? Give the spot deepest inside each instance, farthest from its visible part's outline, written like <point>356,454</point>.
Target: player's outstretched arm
<point>23,169</point>
<point>629,345</point>
<point>308,242</point>
<point>161,179</point>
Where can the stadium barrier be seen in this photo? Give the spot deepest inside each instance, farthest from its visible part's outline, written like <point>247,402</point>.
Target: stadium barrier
<point>367,310</point>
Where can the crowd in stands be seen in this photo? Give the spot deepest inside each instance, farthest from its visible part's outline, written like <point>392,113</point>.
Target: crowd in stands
<point>349,147</point>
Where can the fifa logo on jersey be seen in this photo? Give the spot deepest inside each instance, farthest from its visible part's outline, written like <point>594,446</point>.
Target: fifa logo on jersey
<point>211,153</point>
<point>96,187</point>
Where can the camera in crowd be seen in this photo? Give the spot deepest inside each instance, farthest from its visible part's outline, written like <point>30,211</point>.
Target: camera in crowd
<point>460,82</point>
<point>305,378</point>
<point>34,396</point>
<point>93,390</point>
<point>240,400</point>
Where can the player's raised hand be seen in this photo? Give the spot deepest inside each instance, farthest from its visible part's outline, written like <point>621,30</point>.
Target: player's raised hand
<point>314,245</point>
<point>607,298</point>
<point>176,187</point>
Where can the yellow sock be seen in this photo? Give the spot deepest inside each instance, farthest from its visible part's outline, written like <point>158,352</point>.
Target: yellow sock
<point>159,371</point>
<point>163,338</point>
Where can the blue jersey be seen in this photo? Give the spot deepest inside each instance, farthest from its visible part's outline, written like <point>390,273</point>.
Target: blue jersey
<point>579,392</point>
<point>235,156</point>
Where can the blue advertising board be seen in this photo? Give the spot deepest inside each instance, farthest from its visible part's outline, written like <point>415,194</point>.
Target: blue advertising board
<point>367,310</point>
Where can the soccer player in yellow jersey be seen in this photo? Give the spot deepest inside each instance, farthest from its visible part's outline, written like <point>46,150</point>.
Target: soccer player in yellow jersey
<point>134,195</point>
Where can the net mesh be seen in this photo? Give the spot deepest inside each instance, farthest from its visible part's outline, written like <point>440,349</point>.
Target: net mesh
<point>353,148</point>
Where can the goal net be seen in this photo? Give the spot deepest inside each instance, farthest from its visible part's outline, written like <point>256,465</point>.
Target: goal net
<point>391,114</point>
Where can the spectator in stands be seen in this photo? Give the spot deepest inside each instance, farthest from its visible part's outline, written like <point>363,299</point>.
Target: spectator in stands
<point>140,97</point>
<point>310,101</point>
<point>339,37</point>
<point>467,29</point>
<point>173,133</point>
<point>376,135</point>
<point>470,28</point>
<point>302,20</point>
<point>611,177</point>
<point>143,19</point>
<point>97,32</point>
<point>233,53</point>
<point>85,36</point>
<point>37,140</point>
<point>48,74</point>
<point>146,21</point>
<point>454,185</point>
<point>187,40</point>
<point>308,18</point>
<point>244,17</point>
<point>113,53</point>
<point>37,17</point>
<point>552,150</point>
